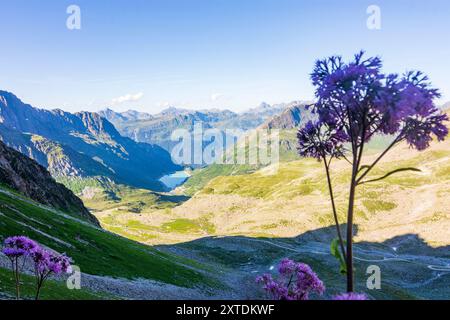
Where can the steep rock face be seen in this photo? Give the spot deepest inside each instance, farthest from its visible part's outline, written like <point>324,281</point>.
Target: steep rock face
<point>63,161</point>
<point>81,144</point>
<point>25,175</point>
<point>293,117</point>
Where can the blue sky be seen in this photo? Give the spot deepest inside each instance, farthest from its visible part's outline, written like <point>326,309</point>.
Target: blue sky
<point>148,54</point>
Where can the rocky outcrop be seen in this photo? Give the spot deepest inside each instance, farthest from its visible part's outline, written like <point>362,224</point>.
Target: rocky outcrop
<point>26,176</point>
<point>292,117</point>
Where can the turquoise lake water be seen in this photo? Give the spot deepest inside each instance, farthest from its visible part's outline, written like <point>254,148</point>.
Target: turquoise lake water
<point>175,179</point>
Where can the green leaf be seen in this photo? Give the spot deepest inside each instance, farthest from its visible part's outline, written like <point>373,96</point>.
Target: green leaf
<point>335,252</point>
<point>391,173</point>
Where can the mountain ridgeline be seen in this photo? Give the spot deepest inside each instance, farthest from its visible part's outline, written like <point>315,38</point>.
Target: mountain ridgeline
<point>294,116</point>
<point>157,129</point>
<point>29,178</point>
<point>80,145</point>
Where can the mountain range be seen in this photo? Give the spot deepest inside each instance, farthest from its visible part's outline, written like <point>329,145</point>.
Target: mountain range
<point>80,145</point>
<point>157,129</point>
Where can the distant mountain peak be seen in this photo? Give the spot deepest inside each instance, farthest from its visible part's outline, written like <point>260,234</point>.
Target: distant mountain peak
<point>264,105</point>
<point>175,111</point>
<point>294,116</point>
<point>97,125</point>
<point>129,115</point>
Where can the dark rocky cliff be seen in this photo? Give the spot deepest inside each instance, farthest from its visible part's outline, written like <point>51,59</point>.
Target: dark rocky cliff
<point>26,176</point>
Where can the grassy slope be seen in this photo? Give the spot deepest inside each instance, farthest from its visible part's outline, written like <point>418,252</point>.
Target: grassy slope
<point>288,144</point>
<point>201,177</point>
<point>303,182</point>
<point>52,290</point>
<point>95,251</point>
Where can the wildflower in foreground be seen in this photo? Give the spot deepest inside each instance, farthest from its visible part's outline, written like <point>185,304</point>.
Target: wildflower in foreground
<point>355,102</point>
<point>17,248</point>
<point>351,296</point>
<point>296,282</point>
<point>47,263</point>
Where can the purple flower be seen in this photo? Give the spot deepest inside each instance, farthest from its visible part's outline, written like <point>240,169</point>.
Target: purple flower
<point>319,140</point>
<point>47,262</point>
<point>351,296</point>
<point>59,264</point>
<point>272,287</point>
<point>295,282</point>
<point>287,266</point>
<point>362,101</point>
<point>40,258</point>
<point>308,281</point>
<point>418,131</point>
<point>19,246</point>
<point>17,249</point>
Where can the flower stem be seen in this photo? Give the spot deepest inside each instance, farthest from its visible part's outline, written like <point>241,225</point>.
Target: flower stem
<point>333,205</point>
<point>16,272</point>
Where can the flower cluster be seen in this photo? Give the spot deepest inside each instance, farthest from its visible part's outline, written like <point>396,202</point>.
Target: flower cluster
<point>19,246</point>
<point>45,262</point>
<point>418,131</point>
<point>295,282</point>
<point>49,262</point>
<point>319,140</point>
<point>351,296</point>
<point>361,100</point>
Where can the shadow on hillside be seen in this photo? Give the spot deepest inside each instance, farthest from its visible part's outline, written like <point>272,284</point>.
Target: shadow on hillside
<point>407,244</point>
<point>177,199</point>
<point>410,267</point>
